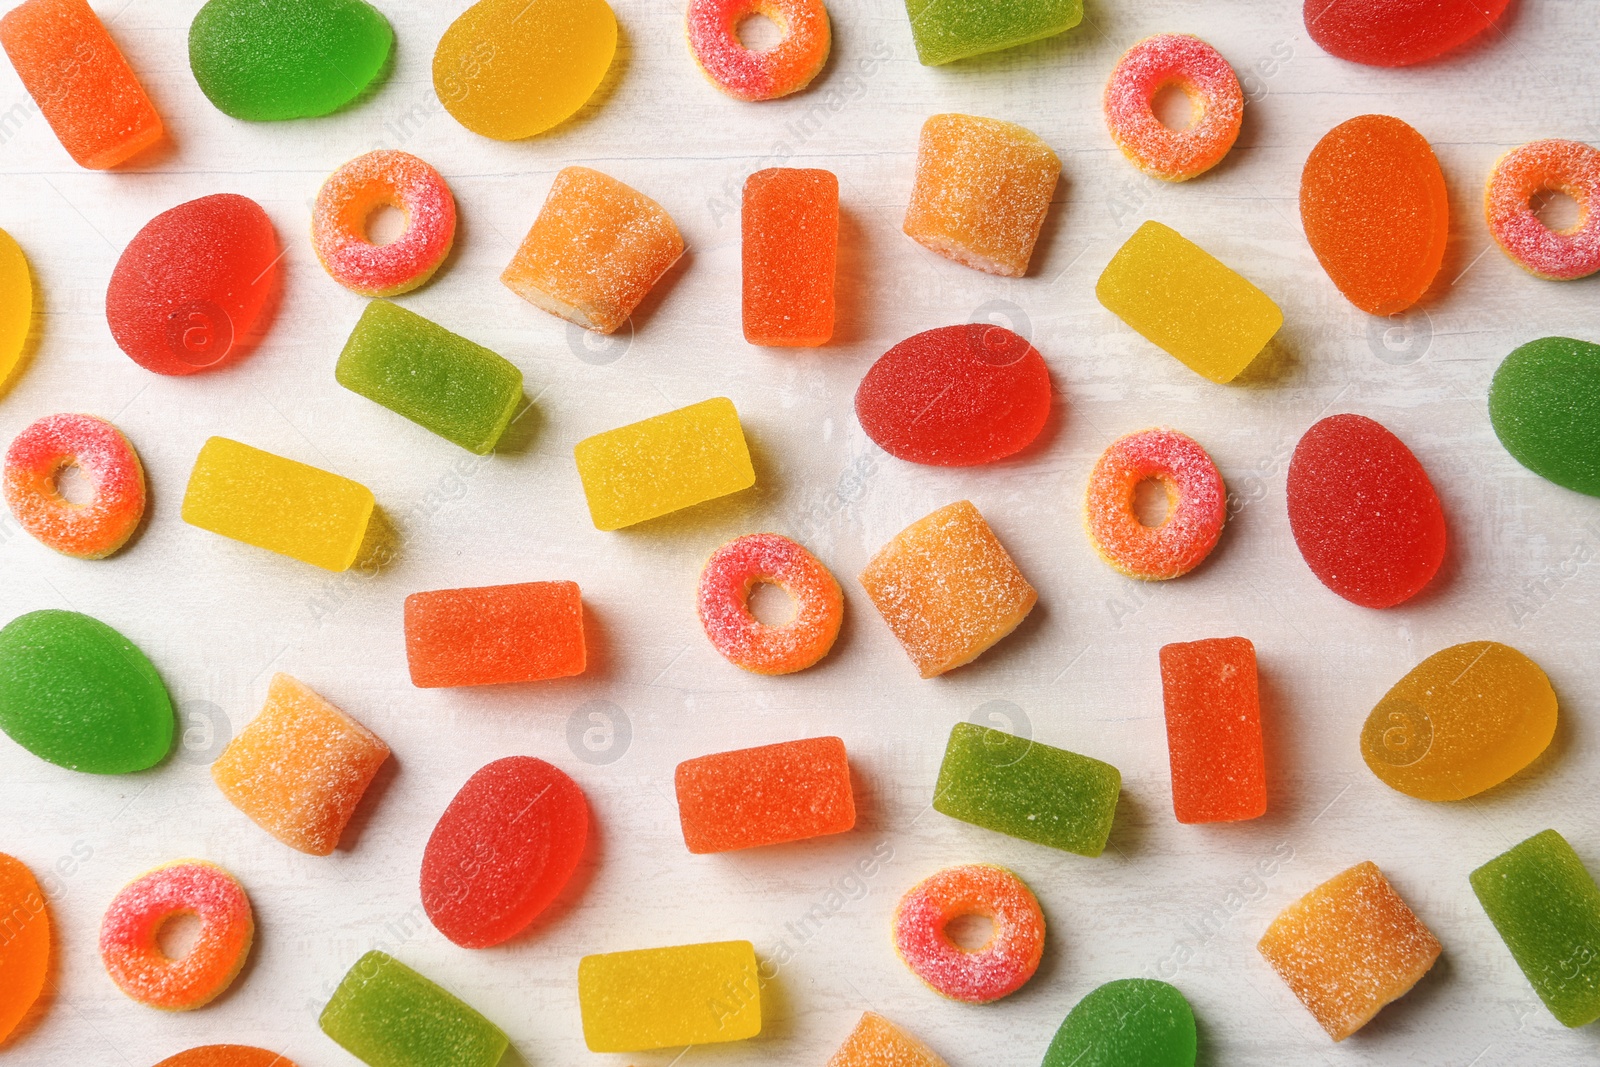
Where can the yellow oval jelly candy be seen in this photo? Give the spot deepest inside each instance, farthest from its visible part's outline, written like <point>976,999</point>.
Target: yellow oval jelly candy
<point>16,304</point>
<point>509,69</point>
<point>1464,720</point>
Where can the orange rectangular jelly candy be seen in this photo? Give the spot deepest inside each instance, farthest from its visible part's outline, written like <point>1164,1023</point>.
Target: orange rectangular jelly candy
<point>1219,770</point>
<point>494,634</point>
<point>791,246</point>
<point>765,796</point>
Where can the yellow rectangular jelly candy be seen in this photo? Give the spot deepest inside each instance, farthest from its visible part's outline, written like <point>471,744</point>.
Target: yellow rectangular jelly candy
<point>665,997</point>
<point>1189,303</point>
<point>277,504</point>
<point>660,465</point>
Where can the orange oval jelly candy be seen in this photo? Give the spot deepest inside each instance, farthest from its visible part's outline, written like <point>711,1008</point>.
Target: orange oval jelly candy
<point>24,943</point>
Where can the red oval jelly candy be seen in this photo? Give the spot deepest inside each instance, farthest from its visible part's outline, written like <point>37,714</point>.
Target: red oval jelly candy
<point>503,850</point>
<point>956,396</point>
<point>1397,33</point>
<point>190,286</point>
<point>1363,512</point>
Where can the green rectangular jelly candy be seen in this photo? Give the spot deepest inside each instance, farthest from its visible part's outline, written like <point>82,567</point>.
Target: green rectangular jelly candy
<point>1547,909</point>
<point>387,1015</point>
<point>439,380</point>
<point>948,30</point>
<point>1015,786</point>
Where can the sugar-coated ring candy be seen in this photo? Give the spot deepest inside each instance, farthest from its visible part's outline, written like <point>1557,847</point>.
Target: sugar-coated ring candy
<point>1521,174</point>
<point>128,933</point>
<point>724,602</point>
<point>34,464</point>
<point>741,72</point>
<point>999,968</point>
<point>1196,505</point>
<point>347,200</point>
<point>1155,63</point>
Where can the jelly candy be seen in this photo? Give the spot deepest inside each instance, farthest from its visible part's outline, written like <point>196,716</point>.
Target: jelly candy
<point>494,634</point>
<point>25,946</point>
<point>287,59</point>
<point>1188,303</point>
<point>278,504</point>
<point>226,1056</point>
<point>84,87</point>
<point>1547,910</point>
<point>300,768</point>
<point>509,69</point>
<point>1197,505</point>
<point>730,575</point>
<point>664,464</point>
<point>75,692</point>
<point>387,1015</point>
<point>1545,407</point>
<point>1219,772</point>
<point>765,796</point>
<point>1003,965</point>
<point>876,1042</point>
<point>35,462</point>
<point>439,380</point>
<point>1349,947</point>
<point>1518,178</point>
<point>188,293</point>
<point>1130,1021</point>
<point>956,396</point>
<point>1364,513</point>
<point>503,850</point>
<point>1397,33</point>
<point>133,957</point>
<point>765,74</point>
<point>982,190</point>
<point>1025,789</point>
<point>948,30</point>
<point>790,221</point>
<point>1161,62</point>
<point>1462,721</point>
<point>348,200</point>
<point>664,997</point>
<point>16,306</point>
<point>595,250</point>
<point>1373,204</point>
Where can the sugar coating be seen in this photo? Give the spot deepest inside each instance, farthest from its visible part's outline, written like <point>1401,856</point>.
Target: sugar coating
<point>1570,167</point>
<point>744,74</point>
<point>977,976</point>
<point>128,932</point>
<point>77,693</point>
<point>264,60</point>
<point>1197,505</point>
<point>723,604</point>
<point>1131,1021</point>
<point>439,380</point>
<point>34,464</point>
<point>1188,303</point>
<point>1397,33</point>
<point>876,1042</point>
<point>16,313</point>
<point>1349,947</point>
<point>1463,720</point>
<point>494,634</point>
<point>1028,790</point>
<point>1546,907</point>
<point>769,795</point>
<point>1364,513</point>
<point>347,201</point>
<point>25,948</point>
<point>510,69</point>
<point>300,768</point>
<point>981,192</point>
<point>1213,710</point>
<point>226,1056</point>
<point>948,30</point>
<point>790,224</point>
<point>80,81</point>
<point>665,997</point>
<point>1157,63</point>
<point>1544,403</point>
<point>1374,208</point>
<point>189,291</point>
<point>956,396</point>
<point>387,1015</point>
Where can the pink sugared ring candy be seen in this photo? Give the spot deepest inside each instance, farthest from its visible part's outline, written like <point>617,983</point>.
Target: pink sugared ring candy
<point>1197,505</point>
<point>1155,63</point>
<point>347,201</point>
<point>129,931</point>
<point>745,74</point>
<point>1568,167</point>
<point>978,976</point>
<point>724,603</point>
<point>35,463</point>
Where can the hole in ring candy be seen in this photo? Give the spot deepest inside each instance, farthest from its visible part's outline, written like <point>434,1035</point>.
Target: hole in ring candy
<point>998,968</point>
<point>745,641</point>
<point>129,932</point>
<point>749,74</point>
<point>357,191</point>
<point>39,457</point>
<point>1568,167</point>
<point>1196,505</point>
<point>1187,63</point>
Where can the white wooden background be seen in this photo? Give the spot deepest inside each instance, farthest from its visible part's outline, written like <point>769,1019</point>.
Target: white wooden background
<point>217,617</point>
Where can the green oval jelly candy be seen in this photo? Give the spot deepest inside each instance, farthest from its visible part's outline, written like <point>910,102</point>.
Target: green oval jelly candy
<point>1545,406</point>
<point>1132,1021</point>
<point>77,693</point>
<point>287,59</point>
